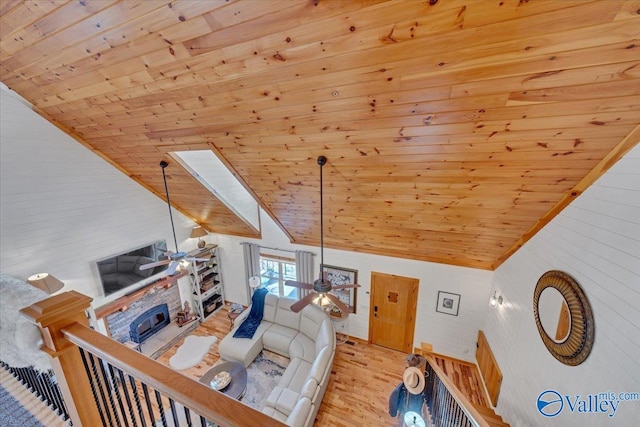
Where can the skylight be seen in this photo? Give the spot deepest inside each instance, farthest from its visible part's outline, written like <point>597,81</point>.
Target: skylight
<point>214,175</point>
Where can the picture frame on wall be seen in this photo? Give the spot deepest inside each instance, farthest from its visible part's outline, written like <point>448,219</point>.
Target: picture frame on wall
<point>343,276</point>
<point>448,303</point>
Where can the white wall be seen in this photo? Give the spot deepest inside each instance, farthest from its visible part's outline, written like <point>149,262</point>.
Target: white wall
<point>453,335</point>
<point>63,207</point>
<point>596,240</point>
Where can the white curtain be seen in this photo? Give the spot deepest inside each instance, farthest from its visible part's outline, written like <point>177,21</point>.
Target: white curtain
<point>304,270</point>
<point>251,253</point>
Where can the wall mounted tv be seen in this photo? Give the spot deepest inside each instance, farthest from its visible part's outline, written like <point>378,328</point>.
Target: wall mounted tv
<point>122,270</point>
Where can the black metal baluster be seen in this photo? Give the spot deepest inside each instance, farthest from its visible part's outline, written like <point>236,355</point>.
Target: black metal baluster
<point>101,387</point>
<point>127,397</point>
<point>174,412</point>
<point>136,397</point>
<point>56,396</point>
<point>187,415</point>
<point>33,383</point>
<point>46,388</point>
<point>116,388</point>
<point>145,391</point>
<point>92,384</point>
<point>163,418</point>
<point>107,380</point>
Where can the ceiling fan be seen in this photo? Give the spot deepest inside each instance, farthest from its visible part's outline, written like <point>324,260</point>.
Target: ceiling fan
<point>322,287</point>
<point>174,258</point>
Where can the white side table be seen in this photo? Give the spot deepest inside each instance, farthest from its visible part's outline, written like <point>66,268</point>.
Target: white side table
<point>341,326</point>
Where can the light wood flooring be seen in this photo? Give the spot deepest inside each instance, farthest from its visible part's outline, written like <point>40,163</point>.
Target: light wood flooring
<point>362,378</point>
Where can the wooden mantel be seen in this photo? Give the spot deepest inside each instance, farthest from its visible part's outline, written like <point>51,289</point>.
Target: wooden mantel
<point>124,302</point>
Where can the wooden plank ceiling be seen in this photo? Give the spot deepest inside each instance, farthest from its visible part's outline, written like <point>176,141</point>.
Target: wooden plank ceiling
<point>454,129</point>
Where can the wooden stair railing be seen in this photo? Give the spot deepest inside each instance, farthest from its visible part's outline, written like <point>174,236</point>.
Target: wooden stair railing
<point>72,344</point>
<point>474,416</point>
<point>454,408</point>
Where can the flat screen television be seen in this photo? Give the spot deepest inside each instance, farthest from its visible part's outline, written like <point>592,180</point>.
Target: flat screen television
<point>121,271</point>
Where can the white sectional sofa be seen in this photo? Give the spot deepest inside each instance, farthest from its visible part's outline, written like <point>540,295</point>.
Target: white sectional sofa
<point>307,338</point>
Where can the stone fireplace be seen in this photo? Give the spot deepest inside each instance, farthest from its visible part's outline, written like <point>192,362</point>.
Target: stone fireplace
<point>119,323</point>
<point>149,323</point>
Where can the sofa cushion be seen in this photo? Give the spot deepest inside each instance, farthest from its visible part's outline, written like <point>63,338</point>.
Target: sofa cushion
<point>243,350</point>
<point>273,413</point>
<point>326,336</point>
<point>319,368</point>
<point>302,347</point>
<point>309,389</point>
<point>270,306</point>
<point>284,315</point>
<point>295,375</point>
<point>278,338</point>
<point>311,318</point>
<point>301,412</point>
<point>283,399</point>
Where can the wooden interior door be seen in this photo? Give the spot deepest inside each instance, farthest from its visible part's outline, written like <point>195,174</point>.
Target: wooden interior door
<point>564,323</point>
<point>393,311</point>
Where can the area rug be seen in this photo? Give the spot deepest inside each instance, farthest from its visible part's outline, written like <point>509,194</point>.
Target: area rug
<point>13,413</point>
<point>191,352</point>
<point>262,376</point>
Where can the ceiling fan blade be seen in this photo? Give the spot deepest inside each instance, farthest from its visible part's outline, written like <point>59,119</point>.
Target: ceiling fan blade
<point>197,259</point>
<point>172,268</point>
<point>299,305</point>
<point>349,286</point>
<point>297,284</point>
<point>154,264</point>
<point>342,306</point>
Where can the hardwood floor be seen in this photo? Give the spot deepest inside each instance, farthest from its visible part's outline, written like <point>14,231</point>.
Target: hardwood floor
<point>362,378</point>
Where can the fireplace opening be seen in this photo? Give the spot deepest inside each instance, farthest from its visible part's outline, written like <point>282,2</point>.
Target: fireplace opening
<point>149,323</point>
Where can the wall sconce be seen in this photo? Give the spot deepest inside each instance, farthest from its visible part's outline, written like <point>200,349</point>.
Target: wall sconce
<point>45,282</point>
<point>495,300</point>
<point>199,232</point>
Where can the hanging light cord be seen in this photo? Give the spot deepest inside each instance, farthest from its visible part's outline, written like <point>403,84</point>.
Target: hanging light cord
<point>163,165</point>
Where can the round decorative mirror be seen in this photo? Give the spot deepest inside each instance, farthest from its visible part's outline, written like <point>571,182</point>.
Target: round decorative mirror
<point>563,317</point>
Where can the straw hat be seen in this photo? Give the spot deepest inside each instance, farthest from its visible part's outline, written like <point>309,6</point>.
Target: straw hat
<point>413,380</point>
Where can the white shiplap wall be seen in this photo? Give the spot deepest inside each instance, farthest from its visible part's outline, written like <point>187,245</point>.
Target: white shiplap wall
<point>63,207</point>
<point>453,335</point>
<point>596,240</point>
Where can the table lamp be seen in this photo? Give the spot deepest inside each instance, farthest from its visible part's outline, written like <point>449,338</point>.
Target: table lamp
<point>45,282</point>
<point>199,232</point>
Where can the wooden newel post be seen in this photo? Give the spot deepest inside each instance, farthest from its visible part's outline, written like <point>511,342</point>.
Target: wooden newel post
<point>52,315</point>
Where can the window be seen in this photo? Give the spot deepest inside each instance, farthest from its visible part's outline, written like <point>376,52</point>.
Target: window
<point>274,271</point>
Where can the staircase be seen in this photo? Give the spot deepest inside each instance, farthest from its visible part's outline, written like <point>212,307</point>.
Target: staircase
<point>461,373</point>
<point>490,416</point>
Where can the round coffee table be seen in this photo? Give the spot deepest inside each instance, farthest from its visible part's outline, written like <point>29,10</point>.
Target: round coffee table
<point>238,384</point>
